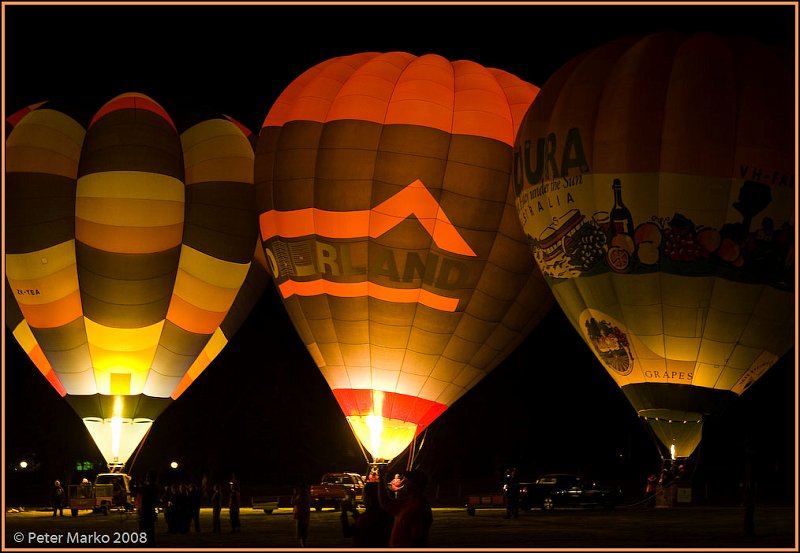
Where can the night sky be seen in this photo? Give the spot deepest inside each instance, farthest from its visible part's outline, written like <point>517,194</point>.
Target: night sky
<point>262,408</point>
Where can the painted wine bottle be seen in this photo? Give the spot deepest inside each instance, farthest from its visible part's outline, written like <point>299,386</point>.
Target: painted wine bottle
<point>620,216</point>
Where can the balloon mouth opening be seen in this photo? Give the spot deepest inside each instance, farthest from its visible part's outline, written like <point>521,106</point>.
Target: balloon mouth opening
<point>680,432</point>
<point>384,438</point>
<point>117,437</point>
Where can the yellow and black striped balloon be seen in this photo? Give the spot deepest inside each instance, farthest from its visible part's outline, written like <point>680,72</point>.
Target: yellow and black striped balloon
<point>131,256</point>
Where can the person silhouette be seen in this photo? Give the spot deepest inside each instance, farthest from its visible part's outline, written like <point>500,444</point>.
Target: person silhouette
<point>301,511</point>
<point>58,499</point>
<point>147,509</point>
<point>234,502</point>
<point>412,512</point>
<point>371,528</point>
<point>512,493</point>
<point>216,509</point>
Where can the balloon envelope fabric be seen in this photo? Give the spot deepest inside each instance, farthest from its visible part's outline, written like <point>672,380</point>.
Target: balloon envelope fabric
<point>655,181</point>
<point>391,234</point>
<point>129,257</point>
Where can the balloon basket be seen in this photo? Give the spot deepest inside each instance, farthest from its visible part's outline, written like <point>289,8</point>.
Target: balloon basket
<point>375,469</point>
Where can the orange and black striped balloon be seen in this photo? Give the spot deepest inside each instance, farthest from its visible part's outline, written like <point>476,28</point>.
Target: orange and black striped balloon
<point>129,256</point>
<point>391,233</point>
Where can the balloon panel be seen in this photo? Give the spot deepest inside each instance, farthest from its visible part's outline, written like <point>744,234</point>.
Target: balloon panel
<point>390,232</point>
<point>128,248</point>
<point>655,183</point>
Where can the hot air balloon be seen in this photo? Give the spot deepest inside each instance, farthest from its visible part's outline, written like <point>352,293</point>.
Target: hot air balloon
<point>391,234</point>
<point>129,257</point>
<point>655,181</point>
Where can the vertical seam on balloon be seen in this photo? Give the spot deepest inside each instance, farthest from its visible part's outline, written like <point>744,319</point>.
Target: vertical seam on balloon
<point>703,335</point>
<point>442,189</point>
<point>486,262</point>
<point>412,325</point>
<point>507,205</point>
<point>180,255</point>
<point>739,337</point>
<point>324,123</point>
<point>378,150</point>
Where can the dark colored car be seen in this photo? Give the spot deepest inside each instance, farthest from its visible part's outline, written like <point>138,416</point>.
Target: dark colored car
<point>566,490</point>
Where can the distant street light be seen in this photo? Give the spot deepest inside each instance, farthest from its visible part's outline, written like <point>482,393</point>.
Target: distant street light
<point>23,464</point>
<point>174,464</point>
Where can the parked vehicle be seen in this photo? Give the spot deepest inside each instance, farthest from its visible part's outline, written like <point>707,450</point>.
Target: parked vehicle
<point>266,503</point>
<point>484,501</point>
<point>109,490</point>
<point>89,497</point>
<point>335,487</point>
<point>121,497</point>
<point>566,490</point>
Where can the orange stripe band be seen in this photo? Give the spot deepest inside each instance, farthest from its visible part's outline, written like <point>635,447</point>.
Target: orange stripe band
<point>193,318</point>
<point>359,289</point>
<point>53,314</point>
<point>414,199</point>
<point>185,382</point>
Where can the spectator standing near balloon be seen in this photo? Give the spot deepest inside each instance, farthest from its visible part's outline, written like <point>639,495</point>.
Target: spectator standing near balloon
<point>234,502</point>
<point>193,502</point>
<point>412,513</point>
<point>396,484</point>
<point>86,488</point>
<point>301,511</point>
<point>216,510</point>
<point>512,493</point>
<point>650,489</point>
<point>371,528</point>
<point>58,499</point>
<point>148,509</point>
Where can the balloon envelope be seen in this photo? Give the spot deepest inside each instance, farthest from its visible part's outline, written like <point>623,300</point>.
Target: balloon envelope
<point>655,182</point>
<point>129,257</point>
<point>390,230</point>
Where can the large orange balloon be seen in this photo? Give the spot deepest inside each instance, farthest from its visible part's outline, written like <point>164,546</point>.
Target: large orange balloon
<point>129,257</point>
<point>391,234</point>
<point>655,180</point>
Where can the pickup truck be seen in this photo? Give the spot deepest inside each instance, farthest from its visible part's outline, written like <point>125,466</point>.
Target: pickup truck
<point>334,487</point>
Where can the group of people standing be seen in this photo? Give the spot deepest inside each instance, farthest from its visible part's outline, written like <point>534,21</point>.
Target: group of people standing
<point>401,517</point>
<point>181,507</point>
<point>234,504</point>
<point>181,504</point>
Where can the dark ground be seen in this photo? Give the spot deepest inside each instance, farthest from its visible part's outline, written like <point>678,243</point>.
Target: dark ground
<point>636,527</point>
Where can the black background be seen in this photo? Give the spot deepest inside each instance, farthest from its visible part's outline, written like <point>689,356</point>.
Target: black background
<point>262,408</point>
